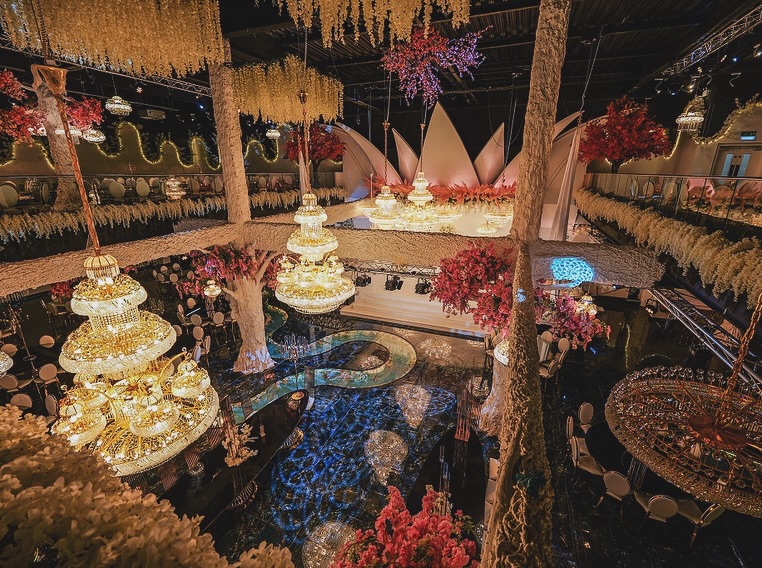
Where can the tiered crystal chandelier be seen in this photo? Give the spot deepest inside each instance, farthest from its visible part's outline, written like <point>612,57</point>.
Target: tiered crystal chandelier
<point>129,403</point>
<point>273,133</point>
<point>419,216</point>
<point>315,284</point>
<point>5,363</point>
<point>116,105</point>
<point>94,136</point>
<point>691,119</point>
<point>385,216</point>
<point>499,214</point>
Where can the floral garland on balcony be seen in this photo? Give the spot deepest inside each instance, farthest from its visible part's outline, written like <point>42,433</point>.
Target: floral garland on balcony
<point>428,538</point>
<point>722,264</point>
<point>460,194</point>
<point>48,487</point>
<point>18,227</point>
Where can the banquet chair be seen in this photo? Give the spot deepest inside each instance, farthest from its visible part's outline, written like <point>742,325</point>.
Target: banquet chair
<point>657,507</point>
<point>581,443</point>
<point>690,510</point>
<point>51,405</point>
<point>585,413</point>
<point>583,462</point>
<point>47,375</point>
<point>47,341</point>
<point>617,487</point>
<point>174,278</point>
<point>9,349</point>
<point>545,340</point>
<point>191,303</point>
<point>206,348</point>
<point>183,321</point>
<point>196,320</point>
<point>22,400</point>
<point>198,334</point>
<point>178,330</point>
<point>220,326</point>
<point>180,308</point>
<point>11,385</point>
<point>176,267</point>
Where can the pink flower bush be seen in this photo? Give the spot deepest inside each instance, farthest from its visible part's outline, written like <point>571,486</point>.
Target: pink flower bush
<point>579,327</point>
<point>63,291</point>
<point>223,263</point>
<point>424,540</point>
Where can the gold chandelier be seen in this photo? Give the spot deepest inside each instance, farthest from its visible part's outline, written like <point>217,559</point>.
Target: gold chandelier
<point>129,403</point>
<point>420,215</point>
<point>385,215</point>
<point>117,106</point>
<point>691,119</point>
<point>400,17</point>
<point>315,284</point>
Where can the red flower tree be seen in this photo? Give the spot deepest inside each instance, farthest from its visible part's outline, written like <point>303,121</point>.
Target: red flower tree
<point>324,145</point>
<point>427,539</point>
<point>626,133</point>
<point>577,325</point>
<point>23,119</point>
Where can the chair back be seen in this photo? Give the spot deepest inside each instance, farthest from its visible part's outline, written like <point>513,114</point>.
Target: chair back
<point>712,512</point>
<point>52,309</point>
<point>180,309</point>
<point>176,267</point>
<point>547,337</point>
<point>552,368</point>
<point>48,372</point>
<point>207,343</point>
<point>616,483</point>
<point>574,450</point>
<point>196,319</point>
<point>198,333</point>
<point>564,345</point>
<point>178,330</point>
<point>23,401</point>
<point>51,405</point>
<point>197,353</point>
<point>569,427</point>
<point>662,506</point>
<point>218,318</point>
<point>181,319</point>
<point>163,268</point>
<point>191,303</point>
<point>47,341</point>
<point>173,278</point>
<point>586,412</point>
<point>9,349</point>
<point>191,275</point>
<point>9,382</point>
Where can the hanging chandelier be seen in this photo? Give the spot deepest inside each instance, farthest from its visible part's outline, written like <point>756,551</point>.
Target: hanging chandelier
<point>94,136</point>
<point>487,228</point>
<point>449,212</point>
<point>500,214</point>
<point>691,119</point>
<point>314,285</point>
<point>420,195</point>
<point>419,216</point>
<point>128,403</point>
<point>385,216</point>
<point>273,133</point>
<point>118,106</point>
<point>5,363</point>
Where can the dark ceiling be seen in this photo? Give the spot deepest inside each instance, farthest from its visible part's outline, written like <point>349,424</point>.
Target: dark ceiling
<point>638,39</point>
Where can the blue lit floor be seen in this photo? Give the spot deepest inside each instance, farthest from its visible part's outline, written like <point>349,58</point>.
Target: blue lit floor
<point>328,477</point>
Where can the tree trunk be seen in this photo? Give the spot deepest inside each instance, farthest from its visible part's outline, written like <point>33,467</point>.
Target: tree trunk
<point>249,312</point>
<point>229,141</point>
<point>67,193</point>
<point>519,530</point>
<point>615,166</point>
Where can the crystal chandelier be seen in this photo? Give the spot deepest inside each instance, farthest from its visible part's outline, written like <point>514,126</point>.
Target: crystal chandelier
<point>315,284</point>
<point>420,195</point>
<point>385,216</point>
<point>128,403</point>
<point>5,363</point>
<point>487,228</point>
<point>173,189</point>
<point>118,106</point>
<point>449,212</point>
<point>94,136</point>
<point>585,305</point>
<point>691,119</point>
<point>273,133</point>
<point>499,215</point>
<point>419,216</point>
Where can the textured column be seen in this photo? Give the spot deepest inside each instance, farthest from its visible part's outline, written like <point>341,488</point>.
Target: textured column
<point>229,141</point>
<point>67,194</point>
<point>519,529</point>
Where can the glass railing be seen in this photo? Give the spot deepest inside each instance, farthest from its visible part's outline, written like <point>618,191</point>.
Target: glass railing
<point>729,204</point>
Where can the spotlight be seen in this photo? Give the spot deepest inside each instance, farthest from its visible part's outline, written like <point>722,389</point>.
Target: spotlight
<point>201,106</point>
<point>735,59</point>
<point>362,280</point>
<point>673,88</point>
<point>423,287</point>
<point>393,283</point>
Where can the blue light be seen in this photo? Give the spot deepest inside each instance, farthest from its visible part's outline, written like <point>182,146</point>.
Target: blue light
<point>520,295</point>
<point>571,270</point>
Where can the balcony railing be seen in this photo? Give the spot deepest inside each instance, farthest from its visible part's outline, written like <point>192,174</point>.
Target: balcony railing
<point>729,204</point>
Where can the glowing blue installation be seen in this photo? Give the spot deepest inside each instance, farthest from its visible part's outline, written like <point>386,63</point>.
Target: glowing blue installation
<point>571,271</point>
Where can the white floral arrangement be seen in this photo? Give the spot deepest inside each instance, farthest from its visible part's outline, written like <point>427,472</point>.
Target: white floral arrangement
<point>70,502</point>
<point>235,445</point>
<point>24,226</point>
<point>723,264</point>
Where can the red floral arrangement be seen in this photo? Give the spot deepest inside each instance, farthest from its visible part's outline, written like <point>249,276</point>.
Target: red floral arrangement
<point>63,291</point>
<point>324,145</point>
<point>424,540</point>
<point>417,62</point>
<point>83,114</point>
<point>223,263</point>
<point>626,133</point>
<point>580,327</point>
<point>23,120</point>
<point>459,193</point>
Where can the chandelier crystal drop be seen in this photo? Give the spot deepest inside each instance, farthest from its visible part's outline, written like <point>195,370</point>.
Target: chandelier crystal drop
<point>94,136</point>
<point>314,285</point>
<point>116,105</point>
<point>128,403</point>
